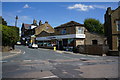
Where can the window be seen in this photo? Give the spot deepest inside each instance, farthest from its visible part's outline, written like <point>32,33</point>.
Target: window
<point>57,29</point>
<point>118,25</point>
<point>80,30</point>
<point>47,27</point>
<point>94,42</point>
<point>118,41</point>
<point>63,31</point>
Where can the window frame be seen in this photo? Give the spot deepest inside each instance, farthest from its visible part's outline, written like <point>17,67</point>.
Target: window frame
<point>63,31</point>
<point>80,30</point>
<point>118,25</point>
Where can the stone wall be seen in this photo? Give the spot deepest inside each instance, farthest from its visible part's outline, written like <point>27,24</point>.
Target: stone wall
<point>93,49</point>
<point>69,30</point>
<point>6,48</point>
<point>91,36</point>
<point>79,42</point>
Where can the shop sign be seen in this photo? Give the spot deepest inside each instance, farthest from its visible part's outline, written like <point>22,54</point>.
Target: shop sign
<point>62,37</point>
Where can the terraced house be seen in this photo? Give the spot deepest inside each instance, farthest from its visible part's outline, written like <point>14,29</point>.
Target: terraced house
<point>112,28</point>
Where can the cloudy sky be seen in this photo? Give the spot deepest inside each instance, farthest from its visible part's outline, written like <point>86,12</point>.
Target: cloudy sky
<point>56,13</point>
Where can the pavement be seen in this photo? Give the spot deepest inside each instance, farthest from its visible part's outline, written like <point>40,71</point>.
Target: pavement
<point>100,70</point>
<point>10,54</point>
<point>44,63</point>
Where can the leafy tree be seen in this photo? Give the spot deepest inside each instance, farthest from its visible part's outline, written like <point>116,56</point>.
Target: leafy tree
<point>94,25</point>
<point>2,21</point>
<point>10,35</point>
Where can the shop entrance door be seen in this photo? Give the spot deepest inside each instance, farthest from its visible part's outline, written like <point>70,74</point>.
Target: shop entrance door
<point>60,45</point>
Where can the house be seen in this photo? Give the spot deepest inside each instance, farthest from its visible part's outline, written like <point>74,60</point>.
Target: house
<point>68,36</point>
<point>64,36</point>
<point>112,28</point>
<point>44,27</point>
<point>42,32</point>
<point>27,32</point>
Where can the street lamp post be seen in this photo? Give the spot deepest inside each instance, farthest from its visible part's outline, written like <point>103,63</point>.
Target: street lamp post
<point>16,20</point>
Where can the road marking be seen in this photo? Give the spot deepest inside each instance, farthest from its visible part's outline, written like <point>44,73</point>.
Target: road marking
<point>50,77</point>
<point>27,60</point>
<point>3,61</point>
<point>24,52</point>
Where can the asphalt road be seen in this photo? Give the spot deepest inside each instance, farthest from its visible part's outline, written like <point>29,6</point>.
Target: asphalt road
<point>45,63</point>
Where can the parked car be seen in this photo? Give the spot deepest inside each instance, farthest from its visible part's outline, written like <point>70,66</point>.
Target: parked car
<point>18,43</point>
<point>33,45</point>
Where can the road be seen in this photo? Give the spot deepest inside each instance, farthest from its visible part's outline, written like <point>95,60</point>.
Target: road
<point>44,63</point>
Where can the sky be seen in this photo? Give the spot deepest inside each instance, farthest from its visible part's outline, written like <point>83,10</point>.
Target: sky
<point>56,13</point>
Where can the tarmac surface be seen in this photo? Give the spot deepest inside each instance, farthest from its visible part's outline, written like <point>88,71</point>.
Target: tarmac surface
<point>44,63</point>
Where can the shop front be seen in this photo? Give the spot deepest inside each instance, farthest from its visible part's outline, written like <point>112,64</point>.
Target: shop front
<point>62,42</point>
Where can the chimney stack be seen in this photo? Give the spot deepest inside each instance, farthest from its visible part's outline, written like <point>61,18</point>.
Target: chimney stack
<point>109,10</point>
<point>34,22</point>
<point>46,22</point>
<point>40,23</point>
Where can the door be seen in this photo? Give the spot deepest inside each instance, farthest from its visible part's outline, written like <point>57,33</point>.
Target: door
<point>60,45</point>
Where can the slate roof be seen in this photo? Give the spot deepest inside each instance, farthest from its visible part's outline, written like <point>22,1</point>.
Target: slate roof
<point>26,26</point>
<point>70,24</point>
<point>115,9</point>
<point>41,28</point>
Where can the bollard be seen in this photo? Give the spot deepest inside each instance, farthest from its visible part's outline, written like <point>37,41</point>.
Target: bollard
<point>54,48</point>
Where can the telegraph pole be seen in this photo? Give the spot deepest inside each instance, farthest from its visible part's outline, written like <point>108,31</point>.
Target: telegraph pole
<point>16,20</point>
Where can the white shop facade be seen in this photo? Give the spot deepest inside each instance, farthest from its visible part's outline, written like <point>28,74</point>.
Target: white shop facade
<point>62,42</point>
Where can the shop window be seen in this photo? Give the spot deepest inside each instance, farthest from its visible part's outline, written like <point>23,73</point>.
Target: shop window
<point>65,42</point>
<point>94,42</point>
<point>70,42</point>
<point>49,44</point>
<point>57,29</point>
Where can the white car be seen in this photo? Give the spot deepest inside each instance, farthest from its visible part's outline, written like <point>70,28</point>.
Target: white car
<point>18,43</point>
<point>33,45</point>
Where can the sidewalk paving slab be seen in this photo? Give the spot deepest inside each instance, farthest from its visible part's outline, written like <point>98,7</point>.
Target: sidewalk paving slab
<point>10,54</point>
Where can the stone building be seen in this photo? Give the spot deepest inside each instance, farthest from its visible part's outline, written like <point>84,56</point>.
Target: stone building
<point>112,28</point>
<point>43,27</point>
<point>68,36</point>
<point>94,39</point>
<point>27,32</point>
<point>42,32</point>
<point>65,36</point>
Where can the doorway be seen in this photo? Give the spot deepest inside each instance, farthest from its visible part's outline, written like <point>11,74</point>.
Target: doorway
<point>60,46</point>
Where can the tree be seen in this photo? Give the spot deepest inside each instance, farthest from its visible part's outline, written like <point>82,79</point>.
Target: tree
<point>2,21</point>
<point>10,35</point>
<point>93,25</point>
